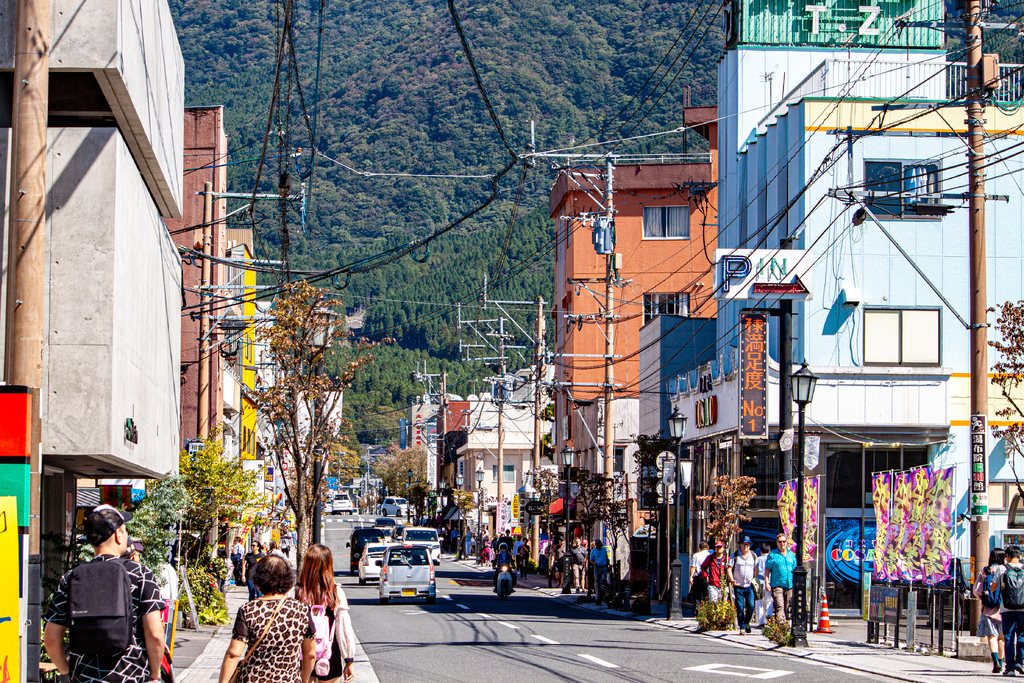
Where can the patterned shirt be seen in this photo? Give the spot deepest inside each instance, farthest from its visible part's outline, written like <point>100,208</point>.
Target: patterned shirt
<point>278,659</point>
<point>133,665</point>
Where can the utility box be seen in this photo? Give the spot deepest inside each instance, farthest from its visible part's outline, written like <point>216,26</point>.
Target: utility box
<point>990,71</point>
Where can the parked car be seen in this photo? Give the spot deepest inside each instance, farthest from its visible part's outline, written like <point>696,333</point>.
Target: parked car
<point>369,565</point>
<point>394,507</point>
<point>407,572</point>
<point>343,505</point>
<point>357,542</point>
<point>421,536</point>
<point>387,525</point>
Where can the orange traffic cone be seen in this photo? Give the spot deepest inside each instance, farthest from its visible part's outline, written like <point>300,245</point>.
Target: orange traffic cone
<point>824,626</point>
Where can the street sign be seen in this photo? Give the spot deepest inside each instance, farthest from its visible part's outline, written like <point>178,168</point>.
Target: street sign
<point>535,507</point>
<point>979,475</point>
<point>515,506</point>
<point>763,274</point>
<point>753,375</point>
<point>193,446</point>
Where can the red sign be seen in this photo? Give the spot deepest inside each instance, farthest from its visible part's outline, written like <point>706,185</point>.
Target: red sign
<point>753,375</point>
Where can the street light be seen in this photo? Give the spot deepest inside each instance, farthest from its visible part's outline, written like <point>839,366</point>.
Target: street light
<point>803,383</point>
<point>567,455</point>
<point>408,496</point>
<point>676,429</point>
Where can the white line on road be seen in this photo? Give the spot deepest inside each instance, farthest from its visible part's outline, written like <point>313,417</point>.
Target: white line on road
<point>599,661</point>
<point>459,604</point>
<point>446,597</point>
<point>485,616</point>
<point>511,626</point>
<point>545,640</point>
<point>731,670</point>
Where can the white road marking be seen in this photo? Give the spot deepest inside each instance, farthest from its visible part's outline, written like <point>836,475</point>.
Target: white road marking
<point>446,597</point>
<point>458,604</point>
<point>741,671</point>
<point>599,661</point>
<point>485,616</point>
<point>545,640</point>
<point>511,626</point>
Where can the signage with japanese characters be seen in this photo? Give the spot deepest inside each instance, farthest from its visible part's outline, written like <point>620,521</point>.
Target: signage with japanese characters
<point>753,375</point>
<point>979,475</point>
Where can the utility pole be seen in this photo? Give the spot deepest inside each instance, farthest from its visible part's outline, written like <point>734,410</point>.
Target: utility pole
<point>538,364</point>
<point>203,408</point>
<point>439,439</point>
<point>609,330</point>
<point>500,387</point>
<point>978,303</point>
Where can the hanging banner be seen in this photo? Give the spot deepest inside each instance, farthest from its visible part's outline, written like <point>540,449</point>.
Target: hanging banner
<point>753,375</point>
<point>10,583</point>
<point>937,527</point>
<point>812,449</point>
<point>912,540</point>
<point>787,514</point>
<point>979,475</point>
<point>881,497</point>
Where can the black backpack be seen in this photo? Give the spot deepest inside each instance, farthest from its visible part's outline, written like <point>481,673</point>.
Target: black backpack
<point>102,616</point>
<point>1013,587</point>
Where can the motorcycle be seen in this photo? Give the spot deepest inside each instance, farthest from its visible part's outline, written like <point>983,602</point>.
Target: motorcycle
<point>504,587</point>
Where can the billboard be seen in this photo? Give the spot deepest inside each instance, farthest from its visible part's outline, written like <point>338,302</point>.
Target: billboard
<point>763,275</point>
<point>753,375</point>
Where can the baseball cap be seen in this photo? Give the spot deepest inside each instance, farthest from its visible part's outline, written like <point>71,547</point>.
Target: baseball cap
<point>719,544</point>
<point>102,522</point>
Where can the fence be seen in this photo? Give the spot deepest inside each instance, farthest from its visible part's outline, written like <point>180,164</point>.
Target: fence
<point>923,619</point>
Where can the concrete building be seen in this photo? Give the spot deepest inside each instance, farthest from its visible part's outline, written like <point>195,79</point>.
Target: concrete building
<point>114,164</point>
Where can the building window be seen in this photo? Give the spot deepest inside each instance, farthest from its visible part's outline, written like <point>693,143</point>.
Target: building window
<point>494,473</point>
<point>895,336</point>
<point>619,464</point>
<point>997,496</point>
<point>666,222</point>
<point>665,304</point>
<point>510,474</point>
<point>903,189</point>
<point>1015,518</point>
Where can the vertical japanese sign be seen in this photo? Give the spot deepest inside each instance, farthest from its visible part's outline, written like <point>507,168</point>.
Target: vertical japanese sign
<point>979,475</point>
<point>753,375</point>
<point>10,619</point>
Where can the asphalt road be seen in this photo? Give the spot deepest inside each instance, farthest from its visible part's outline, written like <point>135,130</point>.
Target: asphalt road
<point>470,635</point>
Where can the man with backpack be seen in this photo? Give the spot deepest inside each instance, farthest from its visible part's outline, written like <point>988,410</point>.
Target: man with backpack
<point>110,608</point>
<point>988,589</point>
<point>742,572</point>
<point>1012,611</point>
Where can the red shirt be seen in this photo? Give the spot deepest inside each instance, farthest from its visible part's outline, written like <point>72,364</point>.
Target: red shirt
<point>714,569</point>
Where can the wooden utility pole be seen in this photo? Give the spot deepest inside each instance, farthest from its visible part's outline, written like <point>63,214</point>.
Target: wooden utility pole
<point>26,256</point>
<point>439,439</point>
<point>609,331</point>
<point>978,303</point>
<point>203,408</point>
<point>500,389</point>
<point>538,364</point>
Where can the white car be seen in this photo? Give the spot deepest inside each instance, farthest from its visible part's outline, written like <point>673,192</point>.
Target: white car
<point>394,507</point>
<point>422,536</point>
<point>407,572</point>
<point>370,563</point>
<point>342,505</point>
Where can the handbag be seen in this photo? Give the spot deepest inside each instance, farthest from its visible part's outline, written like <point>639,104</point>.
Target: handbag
<point>758,588</point>
<point>270,622</point>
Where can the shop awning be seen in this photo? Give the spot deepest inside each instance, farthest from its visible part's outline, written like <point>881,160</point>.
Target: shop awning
<point>556,507</point>
<point>452,515</point>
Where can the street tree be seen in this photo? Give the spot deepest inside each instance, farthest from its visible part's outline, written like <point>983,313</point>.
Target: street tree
<point>728,500</point>
<point>1008,375</point>
<point>394,466</point>
<point>594,499</point>
<point>303,403</point>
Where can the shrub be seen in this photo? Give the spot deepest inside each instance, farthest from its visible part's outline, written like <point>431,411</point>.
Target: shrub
<point>718,615</point>
<point>209,601</point>
<point>641,604</point>
<point>778,631</point>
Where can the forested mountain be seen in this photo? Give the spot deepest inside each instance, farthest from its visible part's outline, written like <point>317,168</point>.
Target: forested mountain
<point>396,95</point>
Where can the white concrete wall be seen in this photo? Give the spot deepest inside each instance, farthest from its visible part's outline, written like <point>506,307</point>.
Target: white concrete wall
<point>114,300</point>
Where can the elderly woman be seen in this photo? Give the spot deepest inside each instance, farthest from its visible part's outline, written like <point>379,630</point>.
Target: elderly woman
<point>277,630</point>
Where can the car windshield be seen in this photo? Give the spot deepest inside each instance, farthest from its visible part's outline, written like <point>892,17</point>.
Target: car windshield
<point>420,535</point>
<point>400,501</point>
<point>408,556</point>
<point>366,535</point>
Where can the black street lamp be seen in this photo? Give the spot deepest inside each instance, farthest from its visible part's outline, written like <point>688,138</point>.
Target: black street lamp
<point>567,455</point>
<point>480,510</point>
<point>802,382</point>
<point>408,495</point>
<point>676,429</point>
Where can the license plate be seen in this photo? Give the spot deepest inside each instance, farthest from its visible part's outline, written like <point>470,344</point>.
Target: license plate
<point>408,591</point>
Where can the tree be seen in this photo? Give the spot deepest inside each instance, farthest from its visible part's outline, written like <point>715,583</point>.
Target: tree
<point>616,521</point>
<point>303,402</point>
<point>393,468</point>
<point>1008,375</point>
<point>727,505</point>
<point>155,520</point>
<point>594,499</point>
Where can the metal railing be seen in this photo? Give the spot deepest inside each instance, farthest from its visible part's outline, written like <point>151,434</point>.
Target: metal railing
<point>905,80</point>
<point>1011,82</point>
<point>933,626</point>
<point>687,158</point>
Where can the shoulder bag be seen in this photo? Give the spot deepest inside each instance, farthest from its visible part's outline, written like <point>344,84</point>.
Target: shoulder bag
<point>270,622</point>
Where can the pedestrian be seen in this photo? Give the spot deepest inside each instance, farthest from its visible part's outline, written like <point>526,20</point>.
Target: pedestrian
<point>987,589</point>
<point>222,559</point>
<point>600,561</point>
<point>139,640</point>
<point>715,570</point>
<point>742,572</point>
<point>779,576</point>
<point>253,558</point>
<point>552,561</point>
<point>579,560</point>
<point>764,602</point>
<point>237,553</point>
<point>467,545</point>
<point>521,557</point>
<point>1012,612</point>
<point>317,588</point>
<point>278,631</point>
<point>273,549</point>
<point>698,583</point>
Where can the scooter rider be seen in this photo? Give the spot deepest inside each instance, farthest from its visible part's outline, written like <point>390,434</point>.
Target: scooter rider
<point>504,559</point>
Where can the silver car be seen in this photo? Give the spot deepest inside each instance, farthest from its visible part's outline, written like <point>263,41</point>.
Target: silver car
<point>407,572</point>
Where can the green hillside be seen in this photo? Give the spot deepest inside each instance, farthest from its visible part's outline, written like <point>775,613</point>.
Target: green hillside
<point>397,95</point>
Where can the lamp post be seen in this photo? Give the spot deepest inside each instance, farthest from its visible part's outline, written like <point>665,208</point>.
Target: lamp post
<point>567,455</point>
<point>408,491</point>
<point>318,471</point>
<point>480,510</point>
<point>459,481</point>
<point>676,429</point>
<point>803,382</point>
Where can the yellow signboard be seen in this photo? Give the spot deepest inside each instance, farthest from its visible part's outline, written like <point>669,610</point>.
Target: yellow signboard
<point>10,618</point>
<point>515,508</point>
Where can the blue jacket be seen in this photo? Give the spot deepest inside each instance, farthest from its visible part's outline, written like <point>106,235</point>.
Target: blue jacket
<point>779,569</point>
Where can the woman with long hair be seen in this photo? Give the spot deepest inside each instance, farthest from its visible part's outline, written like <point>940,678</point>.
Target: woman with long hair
<point>316,587</point>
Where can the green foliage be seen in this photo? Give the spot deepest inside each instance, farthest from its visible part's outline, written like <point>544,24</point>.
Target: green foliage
<point>640,604</point>
<point>64,554</point>
<point>716,615</point>
<point>209,601</point>
<point>154,521</point>
<point>778,631</point>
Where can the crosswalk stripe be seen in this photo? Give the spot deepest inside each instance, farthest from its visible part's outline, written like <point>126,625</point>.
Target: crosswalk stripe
<point>599,661</point>
<point>544,640</point>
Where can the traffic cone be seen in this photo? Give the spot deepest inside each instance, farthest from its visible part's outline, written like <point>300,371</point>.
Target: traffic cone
<point>824,626</point>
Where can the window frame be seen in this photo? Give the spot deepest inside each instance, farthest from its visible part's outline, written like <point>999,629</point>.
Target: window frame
<point>509,474</point>
<point>883,211</point>
<point>900,363</point>
<point>685,208</point>
<point>652,304</point>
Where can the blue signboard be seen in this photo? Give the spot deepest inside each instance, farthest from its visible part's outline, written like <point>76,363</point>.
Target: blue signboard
<point>403,433</point>
<point>844,550</point>
<point>332,483</point>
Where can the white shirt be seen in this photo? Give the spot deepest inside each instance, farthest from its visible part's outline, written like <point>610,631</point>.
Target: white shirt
<point>759,565</point>
<point>698,560</point>
<point>743,568</point>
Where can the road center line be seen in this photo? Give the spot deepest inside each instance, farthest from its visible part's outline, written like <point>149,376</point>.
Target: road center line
<point>458,604</point>
<point>485,616</point>
<point>545,640</point>
<point>446,597</point>
<point>511,626</point>
<point>599,661</point>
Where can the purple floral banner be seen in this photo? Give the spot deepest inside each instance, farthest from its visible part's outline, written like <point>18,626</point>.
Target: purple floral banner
<point>787,514</point>
<point>937,527</point>
<point>881,495</point>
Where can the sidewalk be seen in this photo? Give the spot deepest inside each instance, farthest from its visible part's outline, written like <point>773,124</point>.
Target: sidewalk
<point>206,667</point>
<point>827,649</point>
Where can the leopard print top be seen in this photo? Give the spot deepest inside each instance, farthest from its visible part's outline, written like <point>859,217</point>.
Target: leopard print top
<point>278,659</point>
